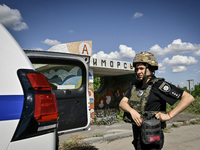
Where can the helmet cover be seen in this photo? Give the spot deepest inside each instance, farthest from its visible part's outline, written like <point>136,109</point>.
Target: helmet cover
<point>146,57</point>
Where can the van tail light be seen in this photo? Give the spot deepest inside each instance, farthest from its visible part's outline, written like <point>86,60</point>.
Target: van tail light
<point>45,102</point>
<point>45,107</point>
<point>38,81</point>
<point>40,113</point>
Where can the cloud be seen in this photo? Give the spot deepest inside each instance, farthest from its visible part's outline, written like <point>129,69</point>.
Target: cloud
<point>158,51</point>
<point>179,69</point>
<point>124,53</point>
<point>180,60</point>
<point>51,42</point>
<point>12,18</point>
<point>161,68</point>
<point>178,63</point>
<point>197,53</point>
<point>137,15</point>
<point>176,47</point>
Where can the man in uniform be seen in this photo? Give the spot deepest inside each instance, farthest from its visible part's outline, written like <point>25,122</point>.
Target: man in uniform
<point>150,94</point>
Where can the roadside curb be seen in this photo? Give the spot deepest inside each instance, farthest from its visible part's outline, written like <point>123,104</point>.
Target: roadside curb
<point>182,123</point>
<point>108,137</point>
<point>123,134</point>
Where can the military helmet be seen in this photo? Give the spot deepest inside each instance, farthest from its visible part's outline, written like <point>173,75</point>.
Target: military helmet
<point>146,57</point>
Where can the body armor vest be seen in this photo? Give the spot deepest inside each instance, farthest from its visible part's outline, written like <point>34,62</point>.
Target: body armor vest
<point>139,99</point>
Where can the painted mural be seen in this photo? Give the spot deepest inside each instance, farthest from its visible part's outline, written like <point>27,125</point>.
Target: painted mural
<point>111,91</point>
<point>91,93</point>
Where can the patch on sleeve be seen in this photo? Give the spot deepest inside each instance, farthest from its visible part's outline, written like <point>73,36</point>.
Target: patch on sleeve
<point>175,94</point>
<point>165,87</point>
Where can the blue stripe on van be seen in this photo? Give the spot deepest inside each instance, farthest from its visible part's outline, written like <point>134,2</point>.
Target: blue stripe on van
<point>11,106</point>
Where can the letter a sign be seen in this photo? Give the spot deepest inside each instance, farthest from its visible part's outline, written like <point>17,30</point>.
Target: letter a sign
<point>85,49</point>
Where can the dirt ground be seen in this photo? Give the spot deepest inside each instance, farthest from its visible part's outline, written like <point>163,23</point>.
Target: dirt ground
<point>184,137</point>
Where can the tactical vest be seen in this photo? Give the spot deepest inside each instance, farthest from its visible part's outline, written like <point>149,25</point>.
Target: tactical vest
<point>139,99</point>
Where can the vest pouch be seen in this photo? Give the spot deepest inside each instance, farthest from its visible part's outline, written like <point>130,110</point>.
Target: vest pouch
<point>151,130</point>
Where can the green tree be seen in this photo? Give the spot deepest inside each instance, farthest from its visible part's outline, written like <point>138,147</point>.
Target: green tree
<point>196,92</point>
<point>97,83</point>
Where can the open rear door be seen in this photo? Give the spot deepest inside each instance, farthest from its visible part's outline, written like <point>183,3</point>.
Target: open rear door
<point>68,76</point>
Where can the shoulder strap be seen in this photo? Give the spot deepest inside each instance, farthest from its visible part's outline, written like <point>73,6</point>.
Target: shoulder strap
<point>145,96</point>
<point>153,81</point>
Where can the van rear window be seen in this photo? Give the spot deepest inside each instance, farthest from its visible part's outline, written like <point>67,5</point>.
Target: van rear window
<point>61,76</point>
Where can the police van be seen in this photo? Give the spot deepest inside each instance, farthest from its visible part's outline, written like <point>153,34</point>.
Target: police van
<point>34,103</point>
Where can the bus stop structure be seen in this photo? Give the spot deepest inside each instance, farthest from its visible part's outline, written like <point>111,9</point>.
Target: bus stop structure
<point>115,76</point>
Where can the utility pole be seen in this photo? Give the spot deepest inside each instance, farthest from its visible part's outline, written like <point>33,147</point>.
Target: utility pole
<point>191,85</point>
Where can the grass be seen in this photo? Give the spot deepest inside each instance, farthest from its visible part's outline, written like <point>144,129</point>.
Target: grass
<point>193,108</point>
<point>98,135</point>
<point>167,130</point>
<point>76,144</point>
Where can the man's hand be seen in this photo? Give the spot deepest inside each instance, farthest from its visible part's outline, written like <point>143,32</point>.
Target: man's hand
<point>134,114</point>
<point>136,117</point>
<point>162,117</point>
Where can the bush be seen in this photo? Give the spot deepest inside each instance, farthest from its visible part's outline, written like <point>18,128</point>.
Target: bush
<point>194,108</point>
<point>106,117</point>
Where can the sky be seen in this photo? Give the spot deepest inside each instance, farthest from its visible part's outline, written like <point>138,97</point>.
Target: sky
<point>118,29</point>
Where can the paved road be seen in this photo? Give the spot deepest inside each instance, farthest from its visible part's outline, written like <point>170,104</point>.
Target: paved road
<point>184,137</point>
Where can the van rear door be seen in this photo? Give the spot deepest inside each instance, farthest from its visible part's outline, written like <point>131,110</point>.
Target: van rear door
<point>68,77</point>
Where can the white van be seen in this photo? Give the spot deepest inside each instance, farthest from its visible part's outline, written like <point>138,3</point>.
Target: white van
<point>28,107</point>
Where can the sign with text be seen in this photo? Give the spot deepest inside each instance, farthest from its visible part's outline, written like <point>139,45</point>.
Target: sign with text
<point>113,64</point>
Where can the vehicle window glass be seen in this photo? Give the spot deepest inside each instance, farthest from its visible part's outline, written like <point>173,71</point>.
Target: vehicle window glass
<point>61,76</point>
